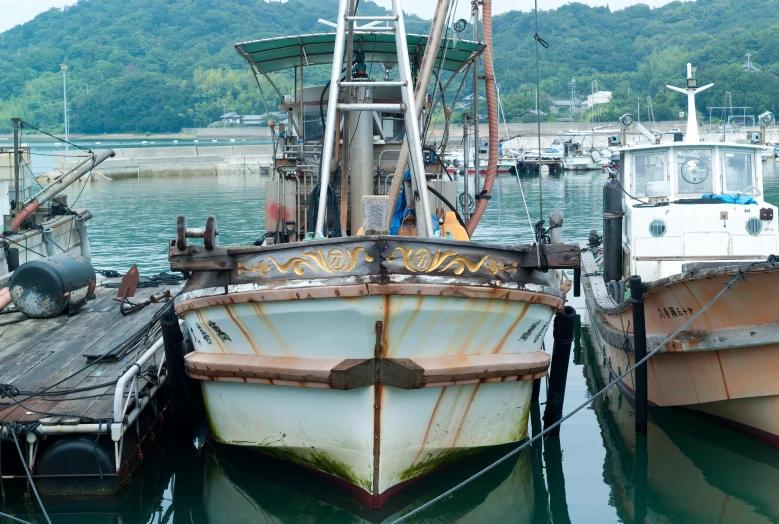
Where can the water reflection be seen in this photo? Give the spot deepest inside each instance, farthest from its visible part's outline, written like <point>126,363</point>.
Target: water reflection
<point>245,486</point>
<point>686,468</point>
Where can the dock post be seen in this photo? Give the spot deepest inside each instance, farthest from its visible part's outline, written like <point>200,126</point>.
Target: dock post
<point>639,350</point>
<point>564,324</point>
<point>173,341</point>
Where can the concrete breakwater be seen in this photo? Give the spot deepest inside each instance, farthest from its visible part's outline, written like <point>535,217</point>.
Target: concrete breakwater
<point>176,161</point>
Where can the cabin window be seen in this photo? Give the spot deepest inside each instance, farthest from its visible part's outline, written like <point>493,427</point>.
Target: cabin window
<point>694,171</point>
<point>739,174</point>
<point>650,167</point>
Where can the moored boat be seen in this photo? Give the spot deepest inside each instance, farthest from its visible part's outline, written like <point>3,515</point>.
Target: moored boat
<point>365,336</point>
<point>694,217</point>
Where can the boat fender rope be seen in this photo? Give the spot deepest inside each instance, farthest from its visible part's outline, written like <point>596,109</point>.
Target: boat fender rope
<point>581,406</point>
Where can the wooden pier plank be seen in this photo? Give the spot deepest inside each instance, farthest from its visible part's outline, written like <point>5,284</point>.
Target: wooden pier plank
<point>37,353</point>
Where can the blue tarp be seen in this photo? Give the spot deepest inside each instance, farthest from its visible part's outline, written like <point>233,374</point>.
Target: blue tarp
<point>744,200</point>
<point>402,211</point>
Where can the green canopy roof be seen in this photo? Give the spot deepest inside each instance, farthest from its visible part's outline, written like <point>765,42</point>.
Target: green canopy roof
<point>274,54</point>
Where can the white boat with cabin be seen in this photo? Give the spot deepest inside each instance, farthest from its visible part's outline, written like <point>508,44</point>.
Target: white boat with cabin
<point>688,217</point>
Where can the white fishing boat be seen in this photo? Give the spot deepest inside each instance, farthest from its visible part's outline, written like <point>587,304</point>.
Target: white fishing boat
<point>575,159</point>
<point>688,217</point>
<point>366,336</point>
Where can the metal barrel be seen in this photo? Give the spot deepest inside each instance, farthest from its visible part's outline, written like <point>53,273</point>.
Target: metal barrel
<point>44,288</point>
<point>612,230</point>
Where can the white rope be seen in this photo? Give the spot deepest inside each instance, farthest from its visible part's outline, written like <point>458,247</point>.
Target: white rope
<point>516,166</point>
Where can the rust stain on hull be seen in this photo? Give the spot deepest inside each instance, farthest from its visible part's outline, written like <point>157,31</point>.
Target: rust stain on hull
<point>268,324</point>
<point>429,426</point>
<point>246,333</point>
<point>468,405</point>
<point>510,330</point>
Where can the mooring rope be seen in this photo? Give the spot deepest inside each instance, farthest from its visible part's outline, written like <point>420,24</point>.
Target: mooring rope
<point>741,274</point>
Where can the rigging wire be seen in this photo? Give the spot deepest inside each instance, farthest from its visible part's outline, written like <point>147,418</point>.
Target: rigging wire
<point>740,275</point>
<point>23,123</point>
<point>539,42</point>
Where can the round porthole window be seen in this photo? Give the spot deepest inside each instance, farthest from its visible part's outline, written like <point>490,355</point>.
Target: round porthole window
<point>657,228</point>
<point>754,226</point>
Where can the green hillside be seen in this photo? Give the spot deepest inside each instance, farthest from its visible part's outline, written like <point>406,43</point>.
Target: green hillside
<point>160,65</point>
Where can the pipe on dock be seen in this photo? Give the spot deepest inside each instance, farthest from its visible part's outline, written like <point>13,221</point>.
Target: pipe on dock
<point>612,230</point>
<point>55,188</point>
<point>86,248</point>
<point>173,340</point>
<point>48,241</point>
<point>577,282</point>
<point>564,325</point>
<point>639,349</point>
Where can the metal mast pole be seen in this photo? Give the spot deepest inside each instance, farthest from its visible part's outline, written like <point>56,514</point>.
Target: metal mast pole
<point>64,68</point>
<point>476,145</point>
<point>16,164</point>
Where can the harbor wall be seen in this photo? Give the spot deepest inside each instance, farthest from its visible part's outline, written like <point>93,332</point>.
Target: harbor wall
<point>177,161</point>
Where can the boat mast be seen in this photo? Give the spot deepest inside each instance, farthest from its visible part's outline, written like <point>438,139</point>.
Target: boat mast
<point>16,165</point>
<point>423,82</point>
<point>692,117</point>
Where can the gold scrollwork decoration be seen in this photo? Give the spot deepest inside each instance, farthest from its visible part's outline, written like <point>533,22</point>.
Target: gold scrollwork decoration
<point>336,260</point>
<point>422,260</point>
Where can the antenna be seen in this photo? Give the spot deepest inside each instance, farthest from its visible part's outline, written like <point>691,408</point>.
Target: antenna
<point>692,89</point>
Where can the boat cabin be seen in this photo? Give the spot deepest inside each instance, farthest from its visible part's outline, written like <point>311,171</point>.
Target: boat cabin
<point>688,204</point>
<point>373,143</point>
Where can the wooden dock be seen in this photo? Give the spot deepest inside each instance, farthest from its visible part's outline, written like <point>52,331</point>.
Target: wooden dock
<point>82,392</point>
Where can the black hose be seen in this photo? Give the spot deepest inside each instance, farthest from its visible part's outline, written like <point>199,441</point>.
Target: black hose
<point>448,204</point>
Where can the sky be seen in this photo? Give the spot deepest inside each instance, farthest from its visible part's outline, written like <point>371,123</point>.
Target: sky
<point>13,12</point>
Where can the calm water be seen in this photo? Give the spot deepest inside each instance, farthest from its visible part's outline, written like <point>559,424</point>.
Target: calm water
<point>697,472</point>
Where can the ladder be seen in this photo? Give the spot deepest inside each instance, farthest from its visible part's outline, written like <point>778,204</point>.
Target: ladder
<point>407,108</point>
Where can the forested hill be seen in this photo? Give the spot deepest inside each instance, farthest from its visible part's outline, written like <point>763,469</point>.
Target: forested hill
<point>160,65</point>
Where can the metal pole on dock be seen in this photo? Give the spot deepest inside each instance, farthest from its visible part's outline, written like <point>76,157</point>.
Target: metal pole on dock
<point>16,165</point>
<point>639,349</point>
<point>564,325</point>
<point>476,160</point>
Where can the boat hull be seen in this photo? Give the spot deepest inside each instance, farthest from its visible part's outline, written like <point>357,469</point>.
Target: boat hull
<point>374,360</point>
<point>378,437</point>
<point>723,365</point>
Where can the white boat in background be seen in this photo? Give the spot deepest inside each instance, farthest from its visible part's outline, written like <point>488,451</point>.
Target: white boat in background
<point>357,338</point>
<point>575,159</point>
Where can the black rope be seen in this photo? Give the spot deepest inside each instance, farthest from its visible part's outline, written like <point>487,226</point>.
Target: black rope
<point>331,212</point>
<point>448,204</point>
<point>542,238</point>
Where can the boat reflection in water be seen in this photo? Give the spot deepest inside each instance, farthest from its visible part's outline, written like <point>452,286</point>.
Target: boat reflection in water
<point>245,486</point>
<point>693,470</point>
